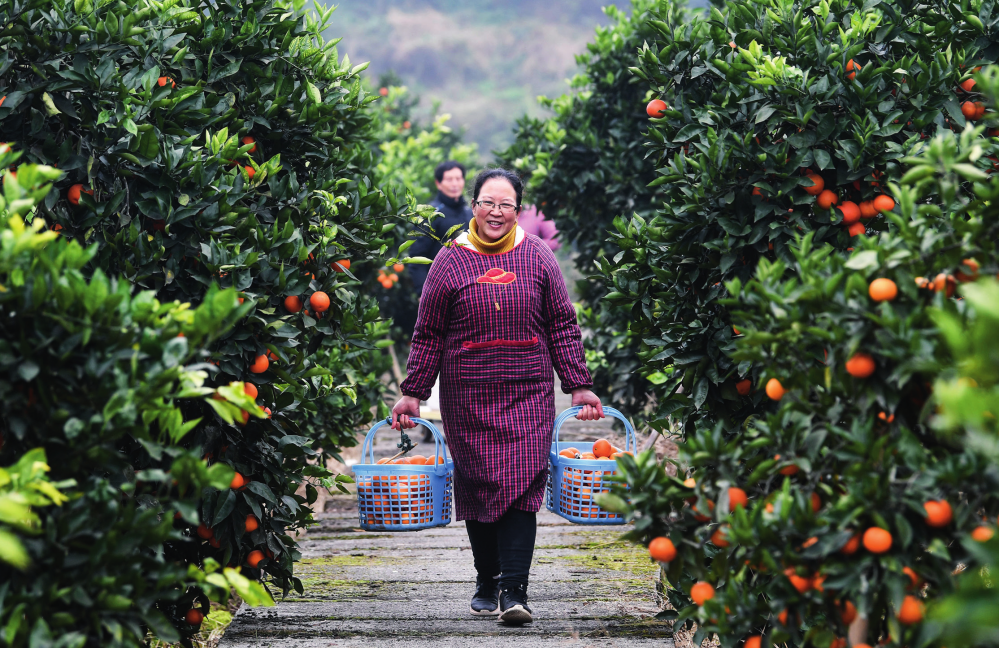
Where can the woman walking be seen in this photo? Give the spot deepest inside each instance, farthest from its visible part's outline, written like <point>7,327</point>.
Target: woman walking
<point>494,320</point>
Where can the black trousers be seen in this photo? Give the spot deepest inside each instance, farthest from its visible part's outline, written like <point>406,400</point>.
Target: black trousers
<point>504,547</point>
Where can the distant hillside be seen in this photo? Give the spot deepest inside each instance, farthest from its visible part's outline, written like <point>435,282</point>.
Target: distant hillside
<point>485,61</point>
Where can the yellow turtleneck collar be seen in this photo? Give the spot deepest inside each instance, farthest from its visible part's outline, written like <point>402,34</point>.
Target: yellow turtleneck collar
<point>504,244</point>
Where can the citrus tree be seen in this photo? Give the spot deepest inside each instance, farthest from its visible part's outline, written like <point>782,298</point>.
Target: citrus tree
<point>408,152</point>
<point>965,392</point>
<point>833,498</point>
<point>777,119</point>
<point>219,143</point>
<point>96,378</point>
<point>584,166</point>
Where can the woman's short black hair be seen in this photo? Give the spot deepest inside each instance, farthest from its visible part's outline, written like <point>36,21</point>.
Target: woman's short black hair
<point>444,167</point>
<point>509,176</point>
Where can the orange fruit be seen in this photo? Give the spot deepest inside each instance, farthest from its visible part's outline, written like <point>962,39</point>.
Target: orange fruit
<point>702,592</point>
<point>967,85</point>
<point>827,199</point>
<point>74,193</point>
<point>851,212</point>
<point>251,390</point>
<point>782,617</point>
<point>867,209</point>
<point>319,301</point>
<point>818,184</point>
<point>249,140</point>
<point>418,460</point>
<point>943,283</point>
<point>398,267</point>
<point>293,304</point>
<point>662,549</point>
<point>430,460</point>
<point>569,453</point>
<point>800,583</point>
<point>254,558</point>
<point>982,534</point>
<point>743,387</point>
<point>193,617</point>
<point>383,92</point>
<point>603,448</point>
<point>877,540</point>
<point>972,266</point>
<point>979,110</point>
<point>386,283</point>
<point>238,481</point>
<point>244,418</point>
<point>341,265</point>
<point>700,517</point>
<point>838,642</point>
<point>851,546</point>
<point>754,642</point>
<point>861,365</point>
<point>883,290</point>
<point>689,482</point>
<point>913,576</point>
<point>938,513</point>
<point>204,532</point>
<point>848,612</point>
<point>856,229</point>
<point>884,203</point>
<point>789,471</point>
<point>775,390</point>
<point>969,110</point>
<point>260,364</point>
<point>810,542</point>
<point>911,611</point>
<point>656,108</point>
<point>736,498</point>
<point>588,455</point>
<point>719,538</point>
<point>852,68</point>
<point>383,460</point>
<point>250,171</point>
<point>757,192</point>
<point>252,523</point>
<point>163,80</point>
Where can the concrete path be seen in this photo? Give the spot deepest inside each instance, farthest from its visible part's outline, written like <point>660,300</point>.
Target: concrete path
<point>413,589</point>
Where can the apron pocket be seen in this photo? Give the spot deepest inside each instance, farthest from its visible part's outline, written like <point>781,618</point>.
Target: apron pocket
<point>500,361</point>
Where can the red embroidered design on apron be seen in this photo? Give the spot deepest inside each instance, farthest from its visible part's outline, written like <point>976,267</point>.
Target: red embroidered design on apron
<point>497,277</point>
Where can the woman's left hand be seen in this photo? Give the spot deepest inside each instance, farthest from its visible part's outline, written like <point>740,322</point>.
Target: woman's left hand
<point>592,409</point>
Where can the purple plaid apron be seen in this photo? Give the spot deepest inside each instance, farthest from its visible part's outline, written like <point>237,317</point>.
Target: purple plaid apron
<point>495,326</point>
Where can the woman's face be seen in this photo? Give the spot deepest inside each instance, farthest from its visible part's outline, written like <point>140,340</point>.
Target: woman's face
<point>493,223</point>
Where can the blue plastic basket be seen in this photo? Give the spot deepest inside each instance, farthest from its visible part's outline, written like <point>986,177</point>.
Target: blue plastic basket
<point>401,497</point>
<point>573,484</point>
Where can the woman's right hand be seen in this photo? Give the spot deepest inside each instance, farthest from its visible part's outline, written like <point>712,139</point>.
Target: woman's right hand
<point>406,407</point>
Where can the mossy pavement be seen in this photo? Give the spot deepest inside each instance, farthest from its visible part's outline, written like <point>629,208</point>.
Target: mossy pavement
<point>587,588</point>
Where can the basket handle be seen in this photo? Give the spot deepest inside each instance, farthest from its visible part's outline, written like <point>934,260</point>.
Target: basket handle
<point>631,443</point>
<point>440,447</point>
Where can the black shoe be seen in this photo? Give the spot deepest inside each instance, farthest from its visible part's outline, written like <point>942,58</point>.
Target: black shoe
<point>486,599</point>
<point>513,606</point>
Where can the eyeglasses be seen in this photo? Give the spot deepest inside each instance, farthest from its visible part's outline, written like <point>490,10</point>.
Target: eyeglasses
<point>488,205</point>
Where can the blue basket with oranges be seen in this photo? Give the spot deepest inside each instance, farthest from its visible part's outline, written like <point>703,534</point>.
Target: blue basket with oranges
<point>578,472</point>
<point>408,494</point>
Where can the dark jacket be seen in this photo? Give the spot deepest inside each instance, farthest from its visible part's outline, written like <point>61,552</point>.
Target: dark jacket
<point>456,212</point>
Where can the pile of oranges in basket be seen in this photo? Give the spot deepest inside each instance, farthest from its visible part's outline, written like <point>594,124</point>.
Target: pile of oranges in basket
<point>602,449</point>
<point>580,487</point>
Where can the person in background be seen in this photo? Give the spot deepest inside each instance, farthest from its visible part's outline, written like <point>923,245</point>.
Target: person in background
<point>450,200</point>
